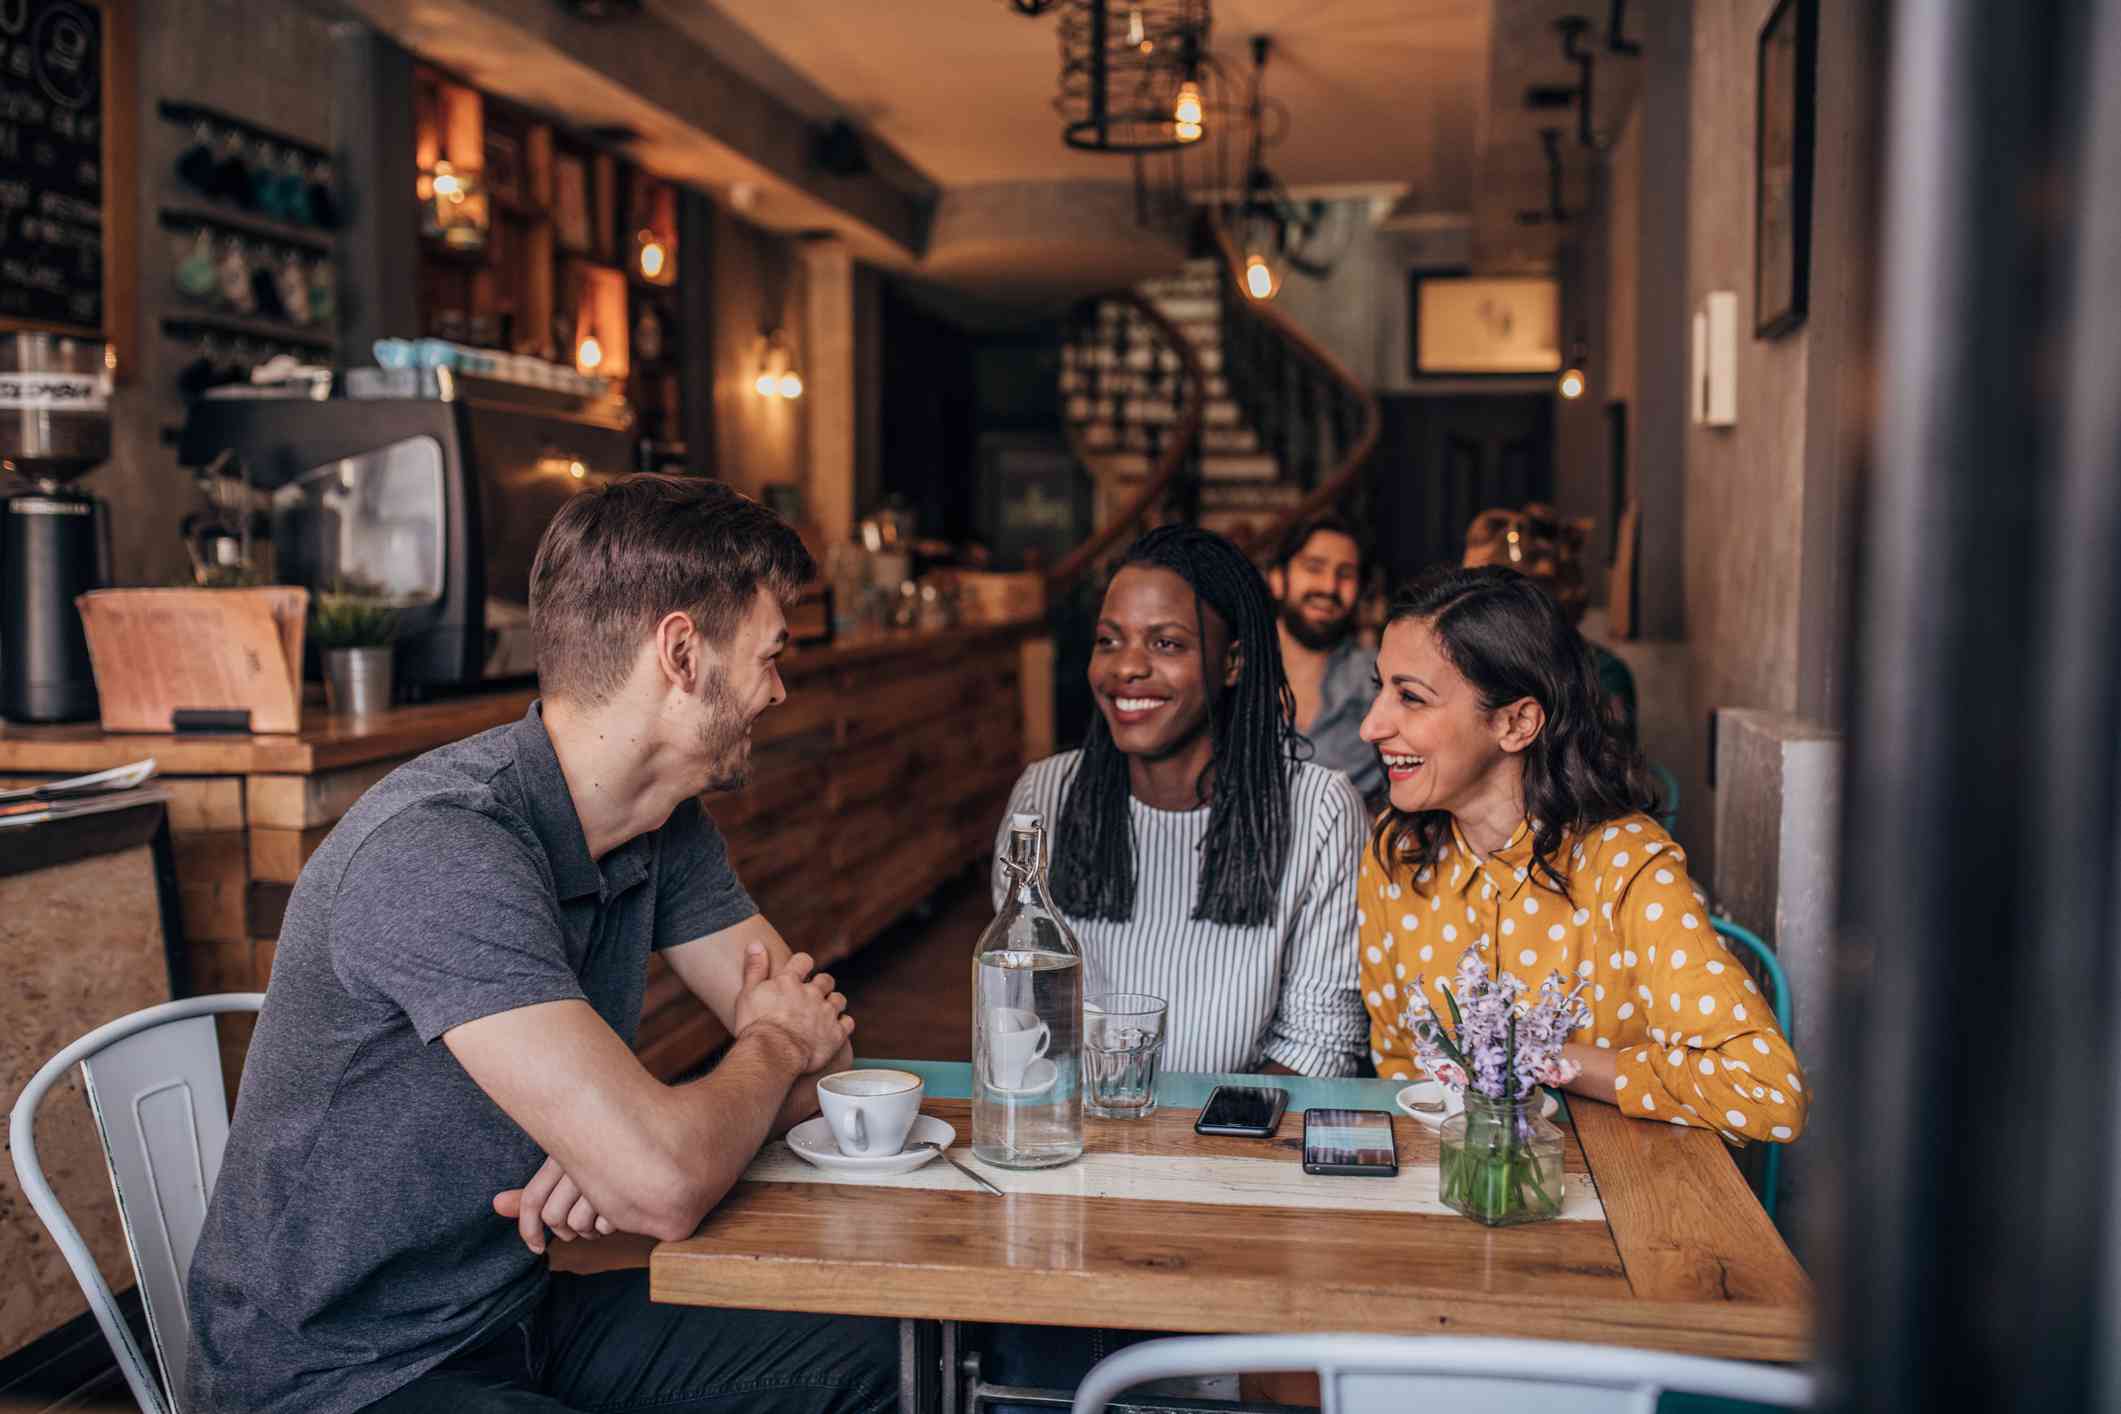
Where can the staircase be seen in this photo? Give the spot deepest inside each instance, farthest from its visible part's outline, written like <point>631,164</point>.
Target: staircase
<point>1121,384</point>
<point>1283,430</point>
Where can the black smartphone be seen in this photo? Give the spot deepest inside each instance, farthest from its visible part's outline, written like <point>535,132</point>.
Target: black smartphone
<point>1249,1111</point>
<point>1356,1142</point>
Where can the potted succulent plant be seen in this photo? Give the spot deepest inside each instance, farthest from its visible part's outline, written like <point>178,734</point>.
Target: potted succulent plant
<point>353,628</point>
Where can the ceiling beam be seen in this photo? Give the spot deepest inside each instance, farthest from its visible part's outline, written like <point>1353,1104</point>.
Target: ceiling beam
<point>691,116</point>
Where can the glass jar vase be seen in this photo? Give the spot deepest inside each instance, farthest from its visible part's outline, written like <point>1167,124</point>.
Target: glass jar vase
<point>1499,1162</point>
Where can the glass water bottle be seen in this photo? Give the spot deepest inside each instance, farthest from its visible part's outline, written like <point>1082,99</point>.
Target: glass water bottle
<point>1027,1019</point>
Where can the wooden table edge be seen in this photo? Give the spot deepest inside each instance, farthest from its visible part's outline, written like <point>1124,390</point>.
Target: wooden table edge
<point>1729,1330</point>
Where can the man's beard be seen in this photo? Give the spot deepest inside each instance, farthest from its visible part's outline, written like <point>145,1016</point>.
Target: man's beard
<point>725,736</point>
<point>1319,638</point>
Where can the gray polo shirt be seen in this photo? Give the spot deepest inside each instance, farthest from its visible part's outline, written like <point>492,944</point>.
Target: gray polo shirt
<point>1344,699</point>
<point>351,1243</point>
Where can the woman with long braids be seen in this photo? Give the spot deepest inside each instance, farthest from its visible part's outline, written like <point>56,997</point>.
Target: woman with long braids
<point>1521,827</point>
<point>1196,857</point>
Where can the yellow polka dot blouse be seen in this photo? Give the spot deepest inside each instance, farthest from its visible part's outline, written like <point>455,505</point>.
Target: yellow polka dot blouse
<point>1697,1041</point>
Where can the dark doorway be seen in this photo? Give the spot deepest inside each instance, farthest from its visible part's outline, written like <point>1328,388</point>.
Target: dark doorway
<point>1443,460</point>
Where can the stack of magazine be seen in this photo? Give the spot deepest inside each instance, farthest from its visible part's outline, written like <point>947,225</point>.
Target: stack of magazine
<point>119,788</point>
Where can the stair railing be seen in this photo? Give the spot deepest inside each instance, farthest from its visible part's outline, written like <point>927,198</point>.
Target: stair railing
<point>1175,456</point>
<point>1310,411</point>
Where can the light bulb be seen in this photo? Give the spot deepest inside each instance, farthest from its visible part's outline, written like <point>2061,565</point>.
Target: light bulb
<point>791,386</point>
<point>589,354</point>
<point>447,184</point>
<point>1186,113</point>
<point>766,386</point>
<point>1572,383</point>
<point>576,470</point>
<point>1259,278</point>
<point>652,256</point>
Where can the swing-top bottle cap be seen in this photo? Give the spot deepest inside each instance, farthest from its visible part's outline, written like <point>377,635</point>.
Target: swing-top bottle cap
<point>1024,820</point>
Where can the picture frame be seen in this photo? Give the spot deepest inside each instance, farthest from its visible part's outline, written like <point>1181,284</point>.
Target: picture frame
<point>1479,326</point>
<point>570,203</point>
<point>1782,167</point>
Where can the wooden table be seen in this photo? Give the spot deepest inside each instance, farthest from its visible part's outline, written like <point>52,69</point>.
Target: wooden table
<point>1684,1259</point>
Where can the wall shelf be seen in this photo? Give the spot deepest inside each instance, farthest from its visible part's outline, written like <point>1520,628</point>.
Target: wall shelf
<point>209,322</point>
<point>239,222</point>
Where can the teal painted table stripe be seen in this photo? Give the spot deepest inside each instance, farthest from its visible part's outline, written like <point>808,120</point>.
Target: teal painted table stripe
<point>1188,1090</point>
<point>1180,1090</point>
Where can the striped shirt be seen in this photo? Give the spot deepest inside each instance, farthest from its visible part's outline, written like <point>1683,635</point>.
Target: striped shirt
<point>1286,990</point>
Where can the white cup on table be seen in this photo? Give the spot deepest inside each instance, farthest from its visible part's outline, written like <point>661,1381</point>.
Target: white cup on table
<point>870,1111</point>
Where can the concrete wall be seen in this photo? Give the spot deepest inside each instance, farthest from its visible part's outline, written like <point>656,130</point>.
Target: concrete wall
<point>758,283</point>
<point>1768,524</point>
<point>1359,310</point>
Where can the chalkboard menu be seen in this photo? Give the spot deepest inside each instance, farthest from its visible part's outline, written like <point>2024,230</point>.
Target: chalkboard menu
<point>51,164</point>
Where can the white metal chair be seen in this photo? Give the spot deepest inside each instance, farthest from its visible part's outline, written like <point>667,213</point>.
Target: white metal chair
<point>1388,1374</point>
<point>154,1086</point>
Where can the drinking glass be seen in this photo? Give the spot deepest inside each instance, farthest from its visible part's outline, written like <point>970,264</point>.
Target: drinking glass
<point>1123,1038</point>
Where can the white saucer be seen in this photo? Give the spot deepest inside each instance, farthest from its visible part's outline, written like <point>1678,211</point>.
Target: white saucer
<point>1430,1091</point>
<point>1038,1076</point>
<point>812,1140</point>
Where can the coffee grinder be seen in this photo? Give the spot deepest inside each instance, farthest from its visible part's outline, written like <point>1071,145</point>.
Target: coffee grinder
<point>54,538</point>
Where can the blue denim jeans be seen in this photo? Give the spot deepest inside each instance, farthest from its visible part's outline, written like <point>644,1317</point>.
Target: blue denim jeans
<point>597,1344</point>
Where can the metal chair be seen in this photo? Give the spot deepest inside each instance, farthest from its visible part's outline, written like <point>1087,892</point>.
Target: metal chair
<point>154,1085</point>
<point>1386,1374</point>
<point>1779,984</point>
<point>1668,791</point>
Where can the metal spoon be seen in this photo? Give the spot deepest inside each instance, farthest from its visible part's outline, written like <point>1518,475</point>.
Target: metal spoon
<point>953,1161</point>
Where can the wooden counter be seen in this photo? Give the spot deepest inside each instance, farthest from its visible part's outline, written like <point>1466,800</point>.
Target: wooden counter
<point>881,776</point>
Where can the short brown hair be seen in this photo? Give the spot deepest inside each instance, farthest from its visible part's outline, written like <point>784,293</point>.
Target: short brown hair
<point>619,557</point>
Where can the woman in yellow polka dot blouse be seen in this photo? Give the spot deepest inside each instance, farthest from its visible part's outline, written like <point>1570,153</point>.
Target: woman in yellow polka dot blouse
<point>1518,827</point>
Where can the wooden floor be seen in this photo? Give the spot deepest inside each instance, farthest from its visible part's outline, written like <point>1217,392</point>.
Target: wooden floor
<point>910,991</point>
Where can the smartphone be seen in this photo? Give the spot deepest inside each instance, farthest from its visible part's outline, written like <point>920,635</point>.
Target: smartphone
<point>1356,1142</point>
<point>1249,1111</point>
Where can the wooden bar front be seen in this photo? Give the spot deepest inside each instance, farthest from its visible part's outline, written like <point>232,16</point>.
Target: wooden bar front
<point>883,774</point>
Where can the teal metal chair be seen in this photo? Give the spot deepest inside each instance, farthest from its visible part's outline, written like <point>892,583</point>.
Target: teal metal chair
<point>1390,1374</point>
<point>1779,983</point>
<point>1668,788</point>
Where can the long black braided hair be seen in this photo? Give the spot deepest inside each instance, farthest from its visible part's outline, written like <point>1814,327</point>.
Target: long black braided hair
<point>1253,743</point>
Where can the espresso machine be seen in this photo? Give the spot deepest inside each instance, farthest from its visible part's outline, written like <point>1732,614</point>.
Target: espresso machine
<point>54,537</point>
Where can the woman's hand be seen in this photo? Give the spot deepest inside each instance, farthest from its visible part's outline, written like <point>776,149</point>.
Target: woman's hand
<point>1594,1081</point>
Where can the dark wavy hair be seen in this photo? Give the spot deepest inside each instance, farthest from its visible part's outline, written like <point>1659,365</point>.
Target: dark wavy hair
<point>1253,744</point>
<point>1510,640</point>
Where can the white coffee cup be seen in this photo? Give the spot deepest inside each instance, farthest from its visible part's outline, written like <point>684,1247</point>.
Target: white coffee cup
<point>1015,1038</point>
<point>870,1111</point>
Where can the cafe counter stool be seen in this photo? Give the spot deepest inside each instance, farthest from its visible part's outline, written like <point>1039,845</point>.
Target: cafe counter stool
<point>1389,1374</point>
<point>153,1081</point>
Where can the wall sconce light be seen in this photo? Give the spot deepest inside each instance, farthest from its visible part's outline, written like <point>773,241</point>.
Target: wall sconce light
<point>589,354</point>
<point>1572,383</point>
<point>453,207</point>
<point>777,377</point>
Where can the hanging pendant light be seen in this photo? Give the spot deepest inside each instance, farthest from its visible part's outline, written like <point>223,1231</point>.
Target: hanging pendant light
<point>1130,75</point>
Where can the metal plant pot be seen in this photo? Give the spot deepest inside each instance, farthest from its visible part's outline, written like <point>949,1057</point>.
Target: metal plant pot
<point>357,680</point>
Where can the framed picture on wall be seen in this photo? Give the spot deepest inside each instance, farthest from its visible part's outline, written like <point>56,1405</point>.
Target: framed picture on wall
<point>1483,326</point>
<point>1782,170</point>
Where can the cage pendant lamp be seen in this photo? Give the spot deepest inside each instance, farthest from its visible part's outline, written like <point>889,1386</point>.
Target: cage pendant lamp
<point>1131,74</point>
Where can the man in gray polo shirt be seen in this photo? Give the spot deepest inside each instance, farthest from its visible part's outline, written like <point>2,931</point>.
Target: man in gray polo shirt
<point>377,1236</point>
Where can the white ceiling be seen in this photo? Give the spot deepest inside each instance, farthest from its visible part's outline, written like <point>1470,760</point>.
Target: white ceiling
<point>1381,93</point>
